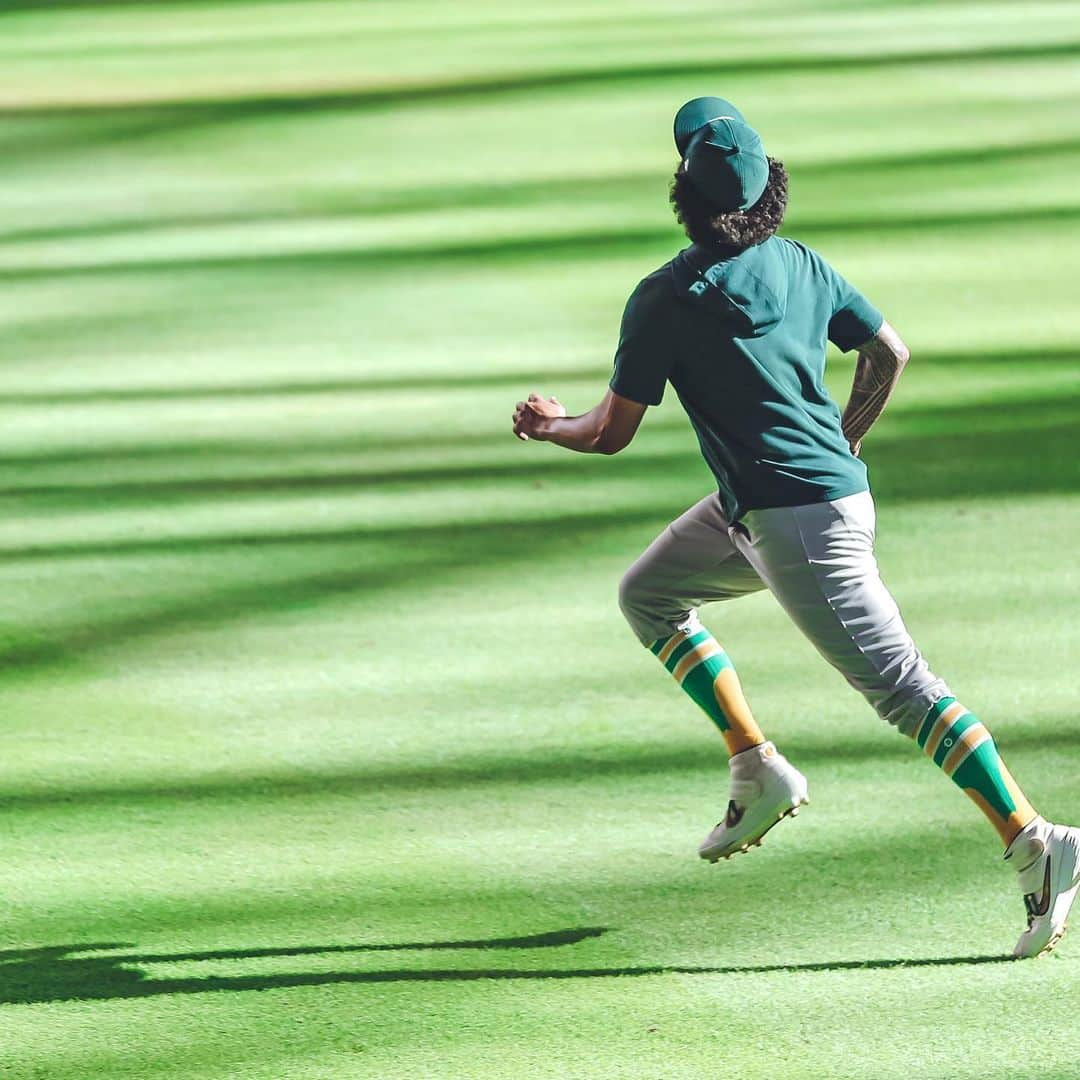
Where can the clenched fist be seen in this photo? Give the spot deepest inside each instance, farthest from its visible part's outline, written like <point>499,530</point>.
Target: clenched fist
<point>531,416</point>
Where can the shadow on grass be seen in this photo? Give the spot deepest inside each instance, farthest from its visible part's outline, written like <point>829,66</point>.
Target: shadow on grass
<point>361,256</point>
<point>930,453</point>
<point>300,388</point>
<point>426,555</point>
<point>929,463</point>
<point>578,765</point>
<point>906,467</point>
<point>513,381</point>
<point>52,973</point>
<point>182,113</point>
<point>512,249</point>
<point>346,205</point>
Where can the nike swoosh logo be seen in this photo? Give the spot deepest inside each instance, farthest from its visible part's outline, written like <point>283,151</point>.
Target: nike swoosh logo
<point>734,814</point>
<point>1043,905</point>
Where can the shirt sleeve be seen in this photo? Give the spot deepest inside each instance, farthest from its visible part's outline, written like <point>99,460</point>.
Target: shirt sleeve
<point>854,319</point>
<point>643,357</point>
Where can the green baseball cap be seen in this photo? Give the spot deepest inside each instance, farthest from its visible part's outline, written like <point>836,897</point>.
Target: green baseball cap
<point>725,160</point>
<point>695,114</point>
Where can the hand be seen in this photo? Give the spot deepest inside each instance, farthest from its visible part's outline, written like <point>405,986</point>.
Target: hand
<point>531,416</point>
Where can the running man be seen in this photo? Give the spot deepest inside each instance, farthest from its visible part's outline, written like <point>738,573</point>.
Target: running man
<point>738,323</point>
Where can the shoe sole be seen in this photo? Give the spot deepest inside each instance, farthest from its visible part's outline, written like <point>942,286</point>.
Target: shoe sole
<point>1054,938</point>
<point>1048,947</point>
<point>746,845</point>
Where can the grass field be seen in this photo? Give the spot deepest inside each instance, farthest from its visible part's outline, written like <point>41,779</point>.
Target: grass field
<point>326,753</point>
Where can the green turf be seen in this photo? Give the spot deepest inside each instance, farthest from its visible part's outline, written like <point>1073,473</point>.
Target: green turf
<point>325,751</point>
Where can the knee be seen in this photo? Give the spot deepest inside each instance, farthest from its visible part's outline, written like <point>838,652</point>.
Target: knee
<point>633,592</point>
<point>649,609</point>
<point>638,603</point>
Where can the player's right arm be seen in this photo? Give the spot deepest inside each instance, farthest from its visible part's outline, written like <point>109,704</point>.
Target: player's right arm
<point>880,361</point>
<point>856,324</point>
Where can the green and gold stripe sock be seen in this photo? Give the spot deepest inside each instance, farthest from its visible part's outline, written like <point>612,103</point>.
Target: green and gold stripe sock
<point>702,668</point>
<point>957,741</point>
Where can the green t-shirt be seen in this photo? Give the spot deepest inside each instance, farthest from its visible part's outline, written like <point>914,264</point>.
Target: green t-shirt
<point>742,340</point>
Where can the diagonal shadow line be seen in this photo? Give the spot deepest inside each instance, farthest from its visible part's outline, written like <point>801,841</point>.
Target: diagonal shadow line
<point>244,449</point>
<point>335,205</point>
<point>815,967</point>
<point>1054,440</point>
<point>50,952</point>
<point>306,444</point>
<point>467,380</point>
<point>581,764</point>
<point>301,387</point>
<point>685,457</point>
<point>451,547</point>
<point>13,6</point>
<point>450,974</point>
<point>569,20</point>
<point>217,110</point>
<point>546,940</point>
<point>991,464</point>
<point>580,244</point>
<point>456,550</point>
<point>360,256</point>
<point>553,939</point>
<point>446,548</point>
<point>852,223</point>
<point>904,466</point>
<point>1051,426</point>
<point>350,208</point>
<point>23,658</point>
<point>126,122</point>
<point>521,534</point>
<point>99,979</point>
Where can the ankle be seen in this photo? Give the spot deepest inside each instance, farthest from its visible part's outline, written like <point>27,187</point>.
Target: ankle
<point>739,741</point>
<point>754,758</point>
<point>1027,843</point>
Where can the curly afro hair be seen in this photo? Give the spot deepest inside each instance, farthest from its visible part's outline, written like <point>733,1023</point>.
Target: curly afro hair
<point>738,229</point>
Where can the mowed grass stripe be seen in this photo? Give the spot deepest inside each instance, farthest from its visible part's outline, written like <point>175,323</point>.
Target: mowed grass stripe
<point>211,109</point>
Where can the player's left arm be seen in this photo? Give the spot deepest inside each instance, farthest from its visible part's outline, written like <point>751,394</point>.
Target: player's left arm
<point>605,429</point>
<point>877,371</point>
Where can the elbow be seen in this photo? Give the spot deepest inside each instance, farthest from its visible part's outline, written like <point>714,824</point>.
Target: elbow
<point>608,443</point>
<point>902,354</point>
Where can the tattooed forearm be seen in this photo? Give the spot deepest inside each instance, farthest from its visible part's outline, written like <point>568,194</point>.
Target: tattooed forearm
<point>877,371</point>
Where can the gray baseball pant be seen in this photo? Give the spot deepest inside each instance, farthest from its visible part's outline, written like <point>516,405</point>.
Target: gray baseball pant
<point>818,561</point>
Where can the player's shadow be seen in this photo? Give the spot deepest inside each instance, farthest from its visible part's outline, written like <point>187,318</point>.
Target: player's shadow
<point>53,973</point>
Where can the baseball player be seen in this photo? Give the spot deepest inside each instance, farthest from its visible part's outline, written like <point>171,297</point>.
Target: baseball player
<point>738,323</point>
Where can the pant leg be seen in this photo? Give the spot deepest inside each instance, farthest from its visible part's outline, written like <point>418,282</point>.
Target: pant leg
<point>691,562</point>
<point>818,561</point>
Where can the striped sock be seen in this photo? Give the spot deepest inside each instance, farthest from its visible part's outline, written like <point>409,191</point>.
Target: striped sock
<point>704,671</point>
<point>957,741</point>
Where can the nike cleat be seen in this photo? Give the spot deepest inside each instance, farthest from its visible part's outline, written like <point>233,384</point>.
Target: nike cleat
<point>1048,857</point>
<point>765,789</point>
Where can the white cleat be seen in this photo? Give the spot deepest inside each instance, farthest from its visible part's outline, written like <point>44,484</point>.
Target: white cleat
<point>1049,865</point>
<point>765,789</point>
